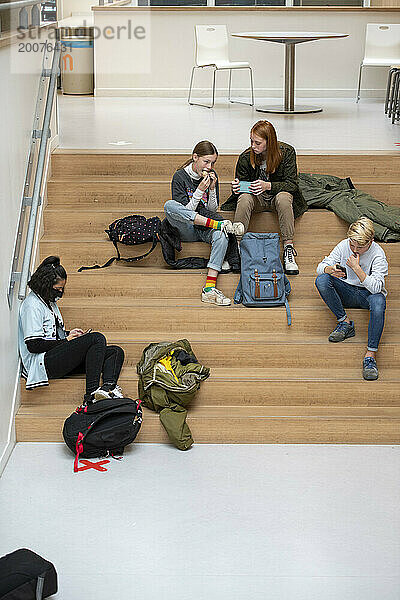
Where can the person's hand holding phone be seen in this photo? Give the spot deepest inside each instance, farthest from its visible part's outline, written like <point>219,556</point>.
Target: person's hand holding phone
<point>259,186</point>
<point>74,333</point>
<point>235,186</point>
<point>336,271</point>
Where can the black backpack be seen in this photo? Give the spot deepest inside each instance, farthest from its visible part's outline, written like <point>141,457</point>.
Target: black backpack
<point>103,428</point>
<point>24,575</point>
<point>131,231</point>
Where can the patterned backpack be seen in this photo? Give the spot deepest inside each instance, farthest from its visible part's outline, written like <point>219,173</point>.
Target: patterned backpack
<point>130,231</point>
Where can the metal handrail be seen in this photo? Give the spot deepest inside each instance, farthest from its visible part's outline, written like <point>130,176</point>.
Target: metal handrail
<point>35,201</point>
<point>19,4</point>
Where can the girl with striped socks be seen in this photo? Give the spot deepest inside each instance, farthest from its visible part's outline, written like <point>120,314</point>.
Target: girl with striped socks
<point>192,210</point>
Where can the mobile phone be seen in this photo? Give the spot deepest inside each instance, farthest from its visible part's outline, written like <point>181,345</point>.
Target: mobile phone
<point>87,331</point>
<point>244,186</point>
<point>343,269</point>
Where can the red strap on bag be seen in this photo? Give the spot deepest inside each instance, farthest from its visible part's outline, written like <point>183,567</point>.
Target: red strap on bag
<point>79,450</point>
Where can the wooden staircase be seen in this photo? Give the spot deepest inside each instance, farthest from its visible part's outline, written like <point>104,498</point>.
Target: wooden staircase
<point>269,383</point>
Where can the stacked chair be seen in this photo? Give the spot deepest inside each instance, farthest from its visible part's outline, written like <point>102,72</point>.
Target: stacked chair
<point>392,101</point>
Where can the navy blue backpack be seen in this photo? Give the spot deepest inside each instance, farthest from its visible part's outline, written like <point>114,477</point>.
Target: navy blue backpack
<point>263,282</point>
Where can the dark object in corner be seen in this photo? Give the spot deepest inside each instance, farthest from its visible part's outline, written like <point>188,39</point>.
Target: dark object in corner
<point>24,575</point>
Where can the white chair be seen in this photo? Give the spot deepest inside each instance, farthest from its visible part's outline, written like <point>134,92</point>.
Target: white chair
<point>212,51</point>
<point>382,48</point>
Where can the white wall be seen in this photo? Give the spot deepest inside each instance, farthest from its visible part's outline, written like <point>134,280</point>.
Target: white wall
<point>19,75</point>
<point>326,68</point>
<point>66,7</point>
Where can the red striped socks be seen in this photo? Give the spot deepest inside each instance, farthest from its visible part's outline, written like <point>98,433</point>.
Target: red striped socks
<point>210,283</point>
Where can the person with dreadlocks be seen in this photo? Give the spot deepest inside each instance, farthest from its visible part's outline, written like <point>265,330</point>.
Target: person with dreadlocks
<point>48,351</point>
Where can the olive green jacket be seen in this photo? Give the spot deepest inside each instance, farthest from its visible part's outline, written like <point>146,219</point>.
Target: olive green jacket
<point>341,197</point>
<point>283,180</point>
<point>168,394</point>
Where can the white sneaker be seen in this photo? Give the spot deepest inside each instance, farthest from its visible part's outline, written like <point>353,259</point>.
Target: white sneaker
<point>225,267</point>
<point>235,228</point>
<point>238,228</point>
<point>289,263</point>
<point>227,227</point>
<point>215,296</point>
<point>117,392</point>
<point>103,393</point>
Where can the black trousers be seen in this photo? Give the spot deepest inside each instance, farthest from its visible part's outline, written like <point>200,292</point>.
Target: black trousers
<point>88,354</point>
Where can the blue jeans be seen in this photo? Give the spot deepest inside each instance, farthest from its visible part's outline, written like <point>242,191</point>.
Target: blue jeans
<point>338,294</point>
<point>182,218</point>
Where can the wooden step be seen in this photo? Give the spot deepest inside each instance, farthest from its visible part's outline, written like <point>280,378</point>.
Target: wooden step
<point>288,350</point>
<point>119,281</point>
<point>323,223</point>
<point>168,304</point>
<point>75,253</point>
<point>285,353</point>
<point>201,317</point>
<point>121,193</point>
<point>149,194</point>
<point>382,164</point>
<point>239,387</point>
<point>255,424</point>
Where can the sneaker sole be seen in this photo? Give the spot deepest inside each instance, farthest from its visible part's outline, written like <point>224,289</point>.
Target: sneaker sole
<point>215,303</point>
<point>350,335</point>
<point>367,378</point>
<point>101,396</point>
<point>291,272</point>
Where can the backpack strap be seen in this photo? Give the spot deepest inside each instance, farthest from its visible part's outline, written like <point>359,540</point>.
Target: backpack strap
<point>288,314</point>
<point>119,257</point>
<point>237,298</point>
<point>40,586</point>
<point>79,450</point>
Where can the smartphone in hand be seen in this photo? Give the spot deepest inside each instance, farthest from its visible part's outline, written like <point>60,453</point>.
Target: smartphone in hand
<point>343,269</point>
<point>244,186</point>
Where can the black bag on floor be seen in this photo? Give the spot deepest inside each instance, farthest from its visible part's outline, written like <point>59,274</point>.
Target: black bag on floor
<point>25,575</point>
<point>131,231</point>
<point>103,428</point>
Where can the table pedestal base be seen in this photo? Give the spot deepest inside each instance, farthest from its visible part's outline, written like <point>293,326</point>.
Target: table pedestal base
<point>298,109</point>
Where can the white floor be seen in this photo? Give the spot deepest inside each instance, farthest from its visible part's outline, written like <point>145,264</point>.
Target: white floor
<point>171,124</point>
<point>223,522</point>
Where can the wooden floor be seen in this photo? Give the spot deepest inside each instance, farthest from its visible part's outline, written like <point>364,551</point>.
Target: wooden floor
<point>269,383</point>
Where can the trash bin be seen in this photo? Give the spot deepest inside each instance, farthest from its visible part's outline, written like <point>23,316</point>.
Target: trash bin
<point>77,64</point>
